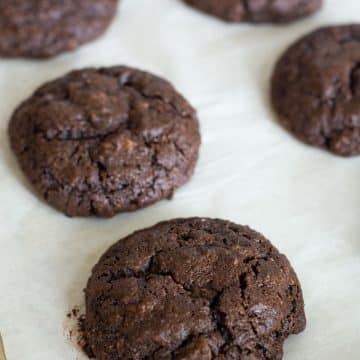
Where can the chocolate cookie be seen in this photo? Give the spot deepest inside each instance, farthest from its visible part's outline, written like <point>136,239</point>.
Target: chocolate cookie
<point>316,89</point>
<point>276,11</point>
<point>103,141</point>
<point>192,289</point>
<point>44,28</point>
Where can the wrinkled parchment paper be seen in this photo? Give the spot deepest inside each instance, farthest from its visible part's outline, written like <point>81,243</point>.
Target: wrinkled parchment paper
<point>251,171</point>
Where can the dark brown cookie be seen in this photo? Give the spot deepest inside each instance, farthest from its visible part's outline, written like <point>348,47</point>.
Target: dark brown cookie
<point>103,141</point>
<point>276,11</point>
<point>192,289</point>
<point>316,89</point>
<point>44,28</point>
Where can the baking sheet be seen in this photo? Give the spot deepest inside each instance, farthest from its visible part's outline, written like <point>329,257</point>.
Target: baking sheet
<point>251,171</point>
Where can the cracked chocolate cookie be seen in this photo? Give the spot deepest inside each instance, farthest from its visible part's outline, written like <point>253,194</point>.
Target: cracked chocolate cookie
<point>44,28</point>
<point>276,11</point>
<point>103,141</point>
<point>193,288</point>
<point>316,89</point>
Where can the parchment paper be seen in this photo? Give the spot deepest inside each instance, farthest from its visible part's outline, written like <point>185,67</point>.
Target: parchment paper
<point>251,171</point>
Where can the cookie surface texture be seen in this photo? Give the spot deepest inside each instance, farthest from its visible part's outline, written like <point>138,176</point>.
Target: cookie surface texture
<point>257,11</point>
<point>103,141</point>
<point>193,288</point>
<point>316,89</point>
<point>45,28</point>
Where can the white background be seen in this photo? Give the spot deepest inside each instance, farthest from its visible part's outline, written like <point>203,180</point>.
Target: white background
<point>251,171</point>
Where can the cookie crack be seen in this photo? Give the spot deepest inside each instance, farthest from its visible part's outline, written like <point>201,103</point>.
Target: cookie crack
<point>354,79</point>
<point>125,80</point>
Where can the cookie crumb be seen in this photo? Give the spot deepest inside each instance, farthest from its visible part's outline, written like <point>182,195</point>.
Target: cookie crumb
<point>76,331</point>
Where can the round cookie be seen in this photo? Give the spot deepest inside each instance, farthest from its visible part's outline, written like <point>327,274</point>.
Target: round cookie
<point>316,89</point>
<point>103,141</point>
<point>44,28</point>
<point>257,11</point>
<point>193,288</point>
